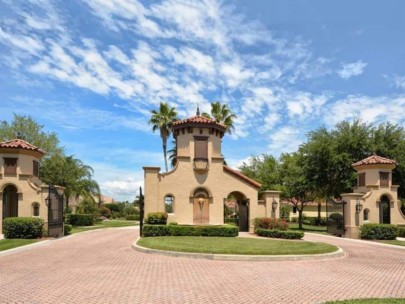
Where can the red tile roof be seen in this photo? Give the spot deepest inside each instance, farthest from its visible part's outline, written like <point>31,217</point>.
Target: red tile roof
<point>20,144</point>
<point>243,177</point>
<point>374,160</point>
<point>198,120</point>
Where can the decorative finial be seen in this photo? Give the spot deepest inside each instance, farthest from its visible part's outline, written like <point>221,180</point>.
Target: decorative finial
<point>198,110</point>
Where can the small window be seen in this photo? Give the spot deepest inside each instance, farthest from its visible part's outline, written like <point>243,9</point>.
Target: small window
<point>169,200</point>
<point>384,179</point>
<point>10,166</point>
<point>35,168</point>
<point>362,179</point>
<point>201,147</point>
<point>366,214</point>
<point>294,209</point>
<point>35,209</point>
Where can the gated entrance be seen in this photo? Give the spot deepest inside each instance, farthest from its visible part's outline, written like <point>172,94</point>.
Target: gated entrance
<point>55,212</point>
<point>335,217</point>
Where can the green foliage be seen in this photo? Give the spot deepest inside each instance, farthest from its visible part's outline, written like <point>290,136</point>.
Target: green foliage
<point>280,234</point>
<point>80,219</point>
<point>87,206</point>
<point>222,114</point>
<point>379,231</point>
<point>113,207</point>
<point>264,169</point>
<point>285,211</point>
<point>401,232</point>
<point>23,228</point>
<point>314,221</point>
<point>133,217</point>
<point>190,230</point>
<point>67,229</point>
<point>156,218</point>
<point>104,211</point>
<point>270,223</point>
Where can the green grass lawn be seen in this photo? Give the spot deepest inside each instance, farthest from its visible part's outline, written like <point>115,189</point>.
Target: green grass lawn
<point>369,301</point>
<point>230,245</point>
<point>393,242</point>
<point>105,224</point>
<point>13,243</point>
<point>309,228</point>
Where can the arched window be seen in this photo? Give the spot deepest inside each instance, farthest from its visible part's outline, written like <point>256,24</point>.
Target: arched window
<point>366,214</point>
<point>169,203</point>
<point>35,209</point>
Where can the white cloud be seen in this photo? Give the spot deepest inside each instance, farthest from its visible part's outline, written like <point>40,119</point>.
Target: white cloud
<point>285,139</point>
<point>349,70</point>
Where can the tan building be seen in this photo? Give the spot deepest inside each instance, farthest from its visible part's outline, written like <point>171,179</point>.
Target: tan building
<point>196,190</point>
<point>22,193</point>
<point>375,199</point>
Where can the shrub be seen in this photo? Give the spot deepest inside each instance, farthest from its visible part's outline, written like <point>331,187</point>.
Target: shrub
<point>173,223</point>
<point>378,231</point>
<point>104,211</point>
<point>134,217</point>
<point>23,228</point>
<point>189,230</point>
<point>270,223</point>
<point>80,219</point>
<point>87,206</point>
<point>156,218</point>
<point>280,234</point>
<point>313,220</point>
<point>401,232</point>
<point>68,229</point>
<point>285,211</point>
<point>130,210</point>
<point>113,207</point>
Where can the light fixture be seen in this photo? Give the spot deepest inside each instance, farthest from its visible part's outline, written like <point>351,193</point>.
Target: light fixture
<point>274,205</point>
<point>359,206</point>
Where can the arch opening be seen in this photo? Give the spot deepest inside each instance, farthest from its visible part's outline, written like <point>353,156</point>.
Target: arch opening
<point>10,202</point>
<point>385,210</point>
<point>236,210</point>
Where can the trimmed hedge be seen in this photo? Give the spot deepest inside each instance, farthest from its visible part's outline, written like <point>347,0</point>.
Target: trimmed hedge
<point>280,234</point>
<point>378,232</point>
<point>189,230</point>
<point>156,218</point>
<point>23,228</point>
<point>80,219</point>
<point>134,217</point>
<point>270,223</point>
<point>67,229</point>
<point>313,220</point>
<point>401,232</point>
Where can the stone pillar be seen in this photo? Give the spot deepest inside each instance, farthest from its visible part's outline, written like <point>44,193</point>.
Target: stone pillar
<point>269,196</point>
<point>151,190</point>
<point>353,220</point>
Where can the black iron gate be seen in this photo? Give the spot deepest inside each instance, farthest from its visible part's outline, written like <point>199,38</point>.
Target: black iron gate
<point>335,217</point>
<point>55,212</point>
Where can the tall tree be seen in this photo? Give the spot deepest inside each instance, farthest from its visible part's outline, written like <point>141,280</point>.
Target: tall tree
<point>222,114</point>
<point>162,120</point>
<point>173,154</point>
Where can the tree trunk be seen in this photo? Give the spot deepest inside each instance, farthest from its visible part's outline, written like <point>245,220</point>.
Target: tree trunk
<point>319,213</point>
<point>165,155</point>
<point>300,219</point>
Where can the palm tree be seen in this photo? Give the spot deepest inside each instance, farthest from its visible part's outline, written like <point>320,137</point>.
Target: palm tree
<point>222,114</point>
<point>173,154</point>
<point>162,120</point>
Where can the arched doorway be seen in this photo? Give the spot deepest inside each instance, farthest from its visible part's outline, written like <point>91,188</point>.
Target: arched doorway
<point>201,215</point>
<point>385,210</point>
<point>10,202</point>
<point>237,208</point>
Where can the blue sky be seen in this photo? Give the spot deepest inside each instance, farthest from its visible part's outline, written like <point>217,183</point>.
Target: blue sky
<point>92,70</point>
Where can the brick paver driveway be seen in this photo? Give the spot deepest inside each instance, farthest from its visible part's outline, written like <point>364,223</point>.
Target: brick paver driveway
<point>101,267</point>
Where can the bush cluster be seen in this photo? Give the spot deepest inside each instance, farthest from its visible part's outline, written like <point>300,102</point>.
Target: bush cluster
<point>67,229</point>
<point>156,218</point>
<point>378,231</point>
<point>79,219</point>
<point>134,217</point>
<point>314,221</point>
<point>401,232</point>
<point>118,210</point>
<point>270,223</point>
<point>104,211</point>
<point>189,230</point>
<point>280,234</point>
<point>23,228</point>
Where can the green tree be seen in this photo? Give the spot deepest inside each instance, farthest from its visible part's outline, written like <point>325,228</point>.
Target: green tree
<point>264,169</point>
<point>31,132</point>
<point>222,114</point>
<point>162,120</point>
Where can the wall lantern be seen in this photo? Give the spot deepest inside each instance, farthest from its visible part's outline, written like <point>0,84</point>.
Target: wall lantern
<point>359,206</point>
<point>274,205</point>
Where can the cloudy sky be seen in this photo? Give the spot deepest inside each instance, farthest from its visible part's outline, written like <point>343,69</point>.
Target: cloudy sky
<point>92,70</point>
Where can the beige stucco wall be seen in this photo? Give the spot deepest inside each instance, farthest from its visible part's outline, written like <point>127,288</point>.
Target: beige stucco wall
<point>28,186</point>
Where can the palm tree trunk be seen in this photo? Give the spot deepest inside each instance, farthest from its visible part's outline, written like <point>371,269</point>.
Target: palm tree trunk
<point>165,153</point>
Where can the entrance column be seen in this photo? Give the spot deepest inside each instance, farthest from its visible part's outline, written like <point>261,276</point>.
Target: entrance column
<point>272,203</point>
<point>352,219</point>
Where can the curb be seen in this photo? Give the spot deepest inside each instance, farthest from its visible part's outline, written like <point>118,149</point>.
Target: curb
<point>23,248</point>
<point>234,257</point>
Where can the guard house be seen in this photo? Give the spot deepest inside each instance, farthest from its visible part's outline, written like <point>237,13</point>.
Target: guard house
<point>22,193</point>
<point>375,199</point>
<point>195,191</point>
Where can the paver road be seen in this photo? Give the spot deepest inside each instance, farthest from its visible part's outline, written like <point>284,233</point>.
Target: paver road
<point>101,267</point>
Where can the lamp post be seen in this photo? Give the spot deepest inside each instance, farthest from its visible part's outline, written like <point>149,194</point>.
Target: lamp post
<point>359,206</point>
